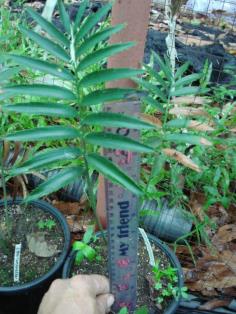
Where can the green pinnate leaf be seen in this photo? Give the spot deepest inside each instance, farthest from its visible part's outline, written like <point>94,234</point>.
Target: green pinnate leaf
<point>112,172</point>
<point>7,74</point>
<point>46,159</point>
<point>64,16</point>
<point>49,27</point>
<point>46,44</point>
<point>43,134</point>
<point>56,182</point>
<point>104,95</point>
<point>80,13</point>
<point>91,21</point>
<point>106,75</point>
<point>44,109</point>
<point>102,54</point>
<point>186,80</point>
<point>96,38</point>
<point>42,66</point>
<point>109,140</point>
<point>40,90</point>
<point>187,138</point>
<point>109,119</point>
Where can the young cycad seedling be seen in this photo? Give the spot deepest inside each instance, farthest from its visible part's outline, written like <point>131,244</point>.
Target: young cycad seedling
<point>84,250</point>
<point>179,127</point>
<point>72,55</point>
<point>166,94</point>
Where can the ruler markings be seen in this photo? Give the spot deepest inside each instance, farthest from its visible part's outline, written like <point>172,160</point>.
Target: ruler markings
<point>122,219</point>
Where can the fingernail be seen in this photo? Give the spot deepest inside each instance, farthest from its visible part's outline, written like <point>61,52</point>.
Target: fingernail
<point>110,300</point>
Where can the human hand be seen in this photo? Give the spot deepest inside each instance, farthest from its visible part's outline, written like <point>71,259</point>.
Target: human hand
<point>79,295</point>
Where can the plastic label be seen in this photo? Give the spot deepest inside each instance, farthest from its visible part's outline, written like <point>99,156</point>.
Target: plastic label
<point>17,256</point>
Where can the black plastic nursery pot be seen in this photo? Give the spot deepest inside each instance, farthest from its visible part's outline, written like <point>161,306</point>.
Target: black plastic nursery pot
<point>174,304</point>
<point>26,298</point>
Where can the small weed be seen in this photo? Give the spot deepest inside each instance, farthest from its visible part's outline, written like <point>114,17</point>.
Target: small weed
<point>141,310</point>
<point>84,250</point>
<point>170,290</point>
<point>46,224</point>
<point>165,283</point>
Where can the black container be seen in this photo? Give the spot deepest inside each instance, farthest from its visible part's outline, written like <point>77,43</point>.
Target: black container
<point>166,220</point>
<point>27,297</point>
<point>174,304</point>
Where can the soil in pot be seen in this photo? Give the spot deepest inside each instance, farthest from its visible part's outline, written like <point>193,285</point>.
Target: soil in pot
<point>145,292</point>
<point>41,239</point>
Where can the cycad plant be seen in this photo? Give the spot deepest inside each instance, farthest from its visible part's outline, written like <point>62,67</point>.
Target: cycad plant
<point>71,55</point>
<point>169,104</point>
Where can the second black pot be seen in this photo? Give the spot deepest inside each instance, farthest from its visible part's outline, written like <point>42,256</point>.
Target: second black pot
<point>173,305</point>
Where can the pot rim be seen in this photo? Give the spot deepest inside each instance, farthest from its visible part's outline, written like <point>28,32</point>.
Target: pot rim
<point>174,304</point>
<point>66,232</point>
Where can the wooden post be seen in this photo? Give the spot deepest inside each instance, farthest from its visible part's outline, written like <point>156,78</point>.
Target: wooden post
<point>135,14</point>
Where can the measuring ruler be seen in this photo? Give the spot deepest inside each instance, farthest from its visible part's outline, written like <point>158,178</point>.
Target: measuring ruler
<point>122,217</point>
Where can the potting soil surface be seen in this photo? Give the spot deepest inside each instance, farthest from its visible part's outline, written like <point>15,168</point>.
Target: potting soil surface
<point>41,244</point>
<point>145,291</point>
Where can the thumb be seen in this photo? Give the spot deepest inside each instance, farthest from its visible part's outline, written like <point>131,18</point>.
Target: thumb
<point>104,303</point>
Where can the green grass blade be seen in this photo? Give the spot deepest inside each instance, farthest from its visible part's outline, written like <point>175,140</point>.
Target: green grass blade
<point>40,90</point>
<point>42,66</point>
<point>49,28</point>
<point>96,38</point>
<point>109,119</point>
<point>45,109</point>
<point>44,134</point>
<point>91,21</point>
<point>46,44</point>
<point>46,159</point>
<point>109,94</point>
<point>107,75</point>
<point>102,54</point>
<point>56,182</point>
<point>113,173</point>
<point>109,140</point>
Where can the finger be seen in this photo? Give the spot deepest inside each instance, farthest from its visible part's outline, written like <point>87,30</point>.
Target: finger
<point>93,284</point>
<point>104,303</point>
<point>51,297</point>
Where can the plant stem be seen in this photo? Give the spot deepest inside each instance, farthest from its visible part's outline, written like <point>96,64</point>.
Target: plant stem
<point>91,197</point>
<point>3,183</point>
<point>91,194</point>
<point>151,174</point>
<point>7,217</point>
<point>167,109</point>
<point>164,129</point>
